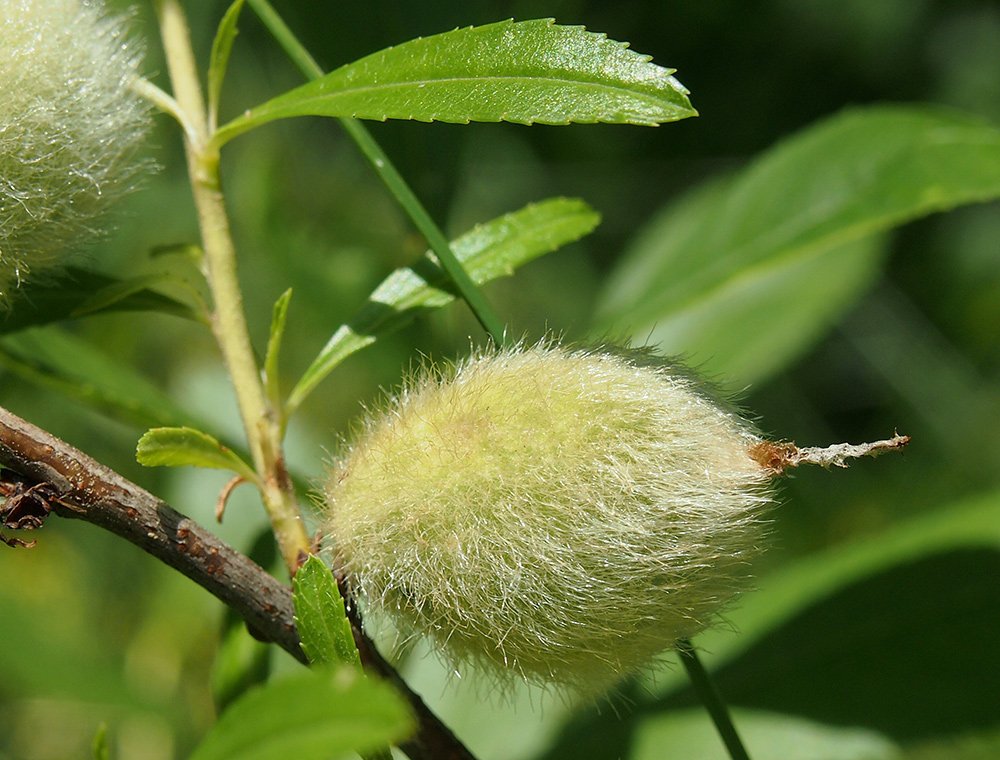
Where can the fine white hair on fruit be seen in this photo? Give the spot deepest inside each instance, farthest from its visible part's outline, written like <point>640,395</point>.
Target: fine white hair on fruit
<point>561,514</point>
<point>70,128</point>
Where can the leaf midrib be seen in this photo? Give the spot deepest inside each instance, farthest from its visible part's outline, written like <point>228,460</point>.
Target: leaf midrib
<point>423,83</point>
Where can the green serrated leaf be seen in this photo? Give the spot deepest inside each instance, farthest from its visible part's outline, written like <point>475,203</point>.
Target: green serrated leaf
<point>185,446</point>
<point>222,46</point>
<point>310,716</point>
<point>488,251</point>
<point>742,276</point>
<point>63,294</point>
<point>324,630</point>
<point>271,358</point>
<point>524,72</point>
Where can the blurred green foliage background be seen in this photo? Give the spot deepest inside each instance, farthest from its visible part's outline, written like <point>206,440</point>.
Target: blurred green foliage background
<point>874,632</point>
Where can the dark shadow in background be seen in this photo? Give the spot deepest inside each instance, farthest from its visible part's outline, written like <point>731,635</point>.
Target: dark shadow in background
<point>910,653</point>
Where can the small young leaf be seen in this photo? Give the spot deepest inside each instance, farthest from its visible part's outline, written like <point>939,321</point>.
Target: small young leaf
<point>272,356</point>
<point>324,630</point>
<point>766,261</point>
<point>488,251</point>
<point>222,46</point>
<point>524,72</point>
<point>185,446</point>
<point>58,361</point>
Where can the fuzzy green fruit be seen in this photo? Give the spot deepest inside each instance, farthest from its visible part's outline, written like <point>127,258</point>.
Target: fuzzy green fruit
<point>70,128</point>
<point>559,514</point>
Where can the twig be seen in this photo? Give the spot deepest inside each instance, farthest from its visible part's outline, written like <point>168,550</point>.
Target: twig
<point>75,486</point>
<point>442,744</point>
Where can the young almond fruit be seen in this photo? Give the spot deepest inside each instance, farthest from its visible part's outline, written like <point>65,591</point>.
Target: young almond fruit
<point>70,128</point>
<point>560,514</point>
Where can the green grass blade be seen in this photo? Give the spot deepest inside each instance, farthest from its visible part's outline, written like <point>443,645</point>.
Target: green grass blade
<point>273,355</point>
<point>222,47</point>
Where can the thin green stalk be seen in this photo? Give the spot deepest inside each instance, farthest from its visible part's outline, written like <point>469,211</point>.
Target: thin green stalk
<point>392,179</point>
<point>228,318</point>
<point>710,697</point>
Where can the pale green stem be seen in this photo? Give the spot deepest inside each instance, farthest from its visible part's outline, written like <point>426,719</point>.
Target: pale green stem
<point>228,319</point>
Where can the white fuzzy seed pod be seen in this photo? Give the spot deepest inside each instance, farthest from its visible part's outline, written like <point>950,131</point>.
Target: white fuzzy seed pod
<point>555,513</point>
<point>70,128</point>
